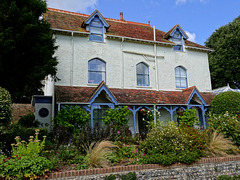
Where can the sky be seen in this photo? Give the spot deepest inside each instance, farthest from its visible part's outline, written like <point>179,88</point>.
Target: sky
<point>198,18</point>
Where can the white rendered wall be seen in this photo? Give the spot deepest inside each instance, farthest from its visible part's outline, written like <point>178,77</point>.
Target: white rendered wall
<point>75,54</point>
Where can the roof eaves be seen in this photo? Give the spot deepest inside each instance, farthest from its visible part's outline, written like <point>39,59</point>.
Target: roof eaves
<point>198,48</point>
<point>142,40</point>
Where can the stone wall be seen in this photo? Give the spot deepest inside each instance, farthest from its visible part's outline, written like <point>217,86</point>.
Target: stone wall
<point>20,110</point>
<point>206,168</point>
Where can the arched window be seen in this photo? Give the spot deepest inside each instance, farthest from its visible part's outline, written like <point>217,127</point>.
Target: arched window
<point>96,71</point>
<point>181,77</point>
<point>142,74</point>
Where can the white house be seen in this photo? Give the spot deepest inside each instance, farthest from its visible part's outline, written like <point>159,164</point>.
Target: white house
<point>107,62</point>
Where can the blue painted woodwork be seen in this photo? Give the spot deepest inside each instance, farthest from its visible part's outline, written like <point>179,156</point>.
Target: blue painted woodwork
<point>142,74</point>
<point>104,88</point>
<point>195,91</point>
<point>43,99</point>
<point>97,25</point>
<point>178,30</point>
<point>96,71</point>
<point>97,13</point>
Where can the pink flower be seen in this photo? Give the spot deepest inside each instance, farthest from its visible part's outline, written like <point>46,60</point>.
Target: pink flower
<point>132,151</point>
<point>143,149</point>
<point>57,152</point>
<point>136,150</point>
<point>137,159</point>
<point>123,137</point>
<point>16,155</point>
<point>143,154</point>
<point>118,132</point>
<point>19,157</point>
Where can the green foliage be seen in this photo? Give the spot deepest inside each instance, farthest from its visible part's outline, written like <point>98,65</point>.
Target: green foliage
<point>26,46</point>
<point>28,121</point>
<point>224,61</point>
<point>188,118</point>
<point>128,176</point>
<point>5,107</point>
<point>8,134</point>
<point>72,118</point>
<point>227,124</point>
<point>25,161</point>
<point>226,177</point>
<point>196,138</point>
<point>32,148</point>
<point>226,101</point>
<point>169,144</point>
<point>20,167</point>
<point>118,116</point>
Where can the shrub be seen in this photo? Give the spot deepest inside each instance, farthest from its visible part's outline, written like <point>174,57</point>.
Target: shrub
<point>188,118</point>
<point>167,144</point>
<point>71,117</point>
<point>8,135</point>
<point>226,124</point>
<point>226,101</point>
<point>26,161</point>
<point>28,121</point>
<point>5,107</point>
<point>196,138</point>
<point>117,116</point>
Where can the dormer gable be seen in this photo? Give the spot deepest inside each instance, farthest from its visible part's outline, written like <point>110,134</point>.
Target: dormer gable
<point>97,26</point>
<point>177,36</point>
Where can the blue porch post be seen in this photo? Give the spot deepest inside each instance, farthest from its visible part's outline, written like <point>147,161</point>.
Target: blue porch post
<point>203,115</point>
<point>134,111</point>
<point>171,110</point>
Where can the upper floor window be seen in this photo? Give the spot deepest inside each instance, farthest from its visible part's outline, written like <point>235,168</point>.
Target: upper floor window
<point>96,71</point>
<point>181,77</point>
<point>96,29</point>
<point>177,38</point>
<point>142,74</point>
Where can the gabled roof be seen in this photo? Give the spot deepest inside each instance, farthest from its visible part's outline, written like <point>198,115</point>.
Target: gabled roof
<point>96,12</point>
<point>102,87</point>
<point>173,29</point>
<point>65,20</point>
<point>129,96</point>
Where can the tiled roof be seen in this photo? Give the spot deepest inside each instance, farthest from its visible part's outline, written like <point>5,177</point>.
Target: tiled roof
<point>65,20</point>
<point>126,96</point>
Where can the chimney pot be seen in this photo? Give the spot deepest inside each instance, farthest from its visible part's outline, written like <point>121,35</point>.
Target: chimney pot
<point>121,16</point>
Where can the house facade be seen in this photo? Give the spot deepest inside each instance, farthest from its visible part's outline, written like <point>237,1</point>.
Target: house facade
<point>105,63</point>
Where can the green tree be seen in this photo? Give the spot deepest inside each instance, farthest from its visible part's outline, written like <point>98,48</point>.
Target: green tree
<point>226,101</point>
<point>5,107</point>
<point>26,46</point>
<point>224,62</point>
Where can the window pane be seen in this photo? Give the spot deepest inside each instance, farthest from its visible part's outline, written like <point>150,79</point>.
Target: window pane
<point>145,69</point>
<point>139,80</point>
<point>139,68</point>
<point>180,77</point>
<point>145,80</point>
<point>96,71</point>
<point>96,30</point>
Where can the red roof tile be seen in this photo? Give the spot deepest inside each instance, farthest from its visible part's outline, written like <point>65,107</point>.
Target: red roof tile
<point>66,20</point>
<point>126,96</point>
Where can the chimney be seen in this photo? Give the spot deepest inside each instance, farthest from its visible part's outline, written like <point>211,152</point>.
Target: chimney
<point>121,16</point>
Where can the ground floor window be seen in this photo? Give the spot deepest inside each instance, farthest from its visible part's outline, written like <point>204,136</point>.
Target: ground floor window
<point>98,114</point>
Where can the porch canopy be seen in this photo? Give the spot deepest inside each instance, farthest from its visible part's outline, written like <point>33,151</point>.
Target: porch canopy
<point>92,98</point>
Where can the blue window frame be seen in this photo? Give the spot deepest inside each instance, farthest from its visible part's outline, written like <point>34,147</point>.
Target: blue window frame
<point>96,71</point>
<point>142,74</point>
<point>177,38</point>
<point>96,29</point>
<point>181,77</point>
